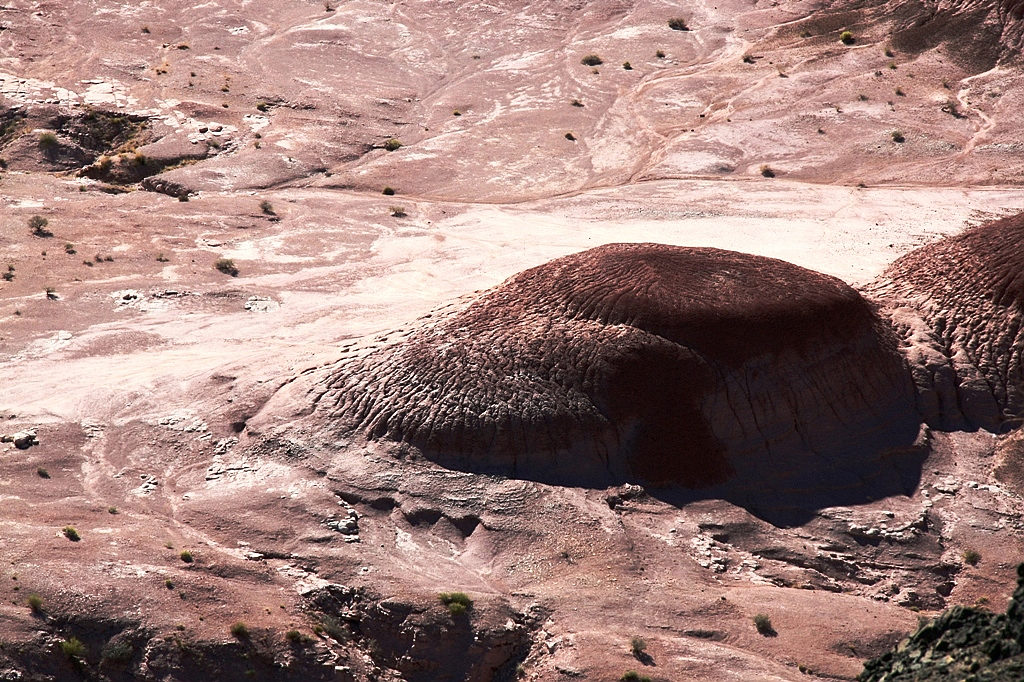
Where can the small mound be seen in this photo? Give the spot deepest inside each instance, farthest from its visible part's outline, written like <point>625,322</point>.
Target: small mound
<point>960,304</point>
<point>641,362</point>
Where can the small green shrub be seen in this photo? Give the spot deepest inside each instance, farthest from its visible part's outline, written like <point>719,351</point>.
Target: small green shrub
<point>69,249</point>
<point>458,603</point>
<point>633,676</point>
<point>897,137</point>
<point>71,534</point>
<point>186,556</point>
<point>42,473</point>
<point>35,602</point>
<point>627,66</point>
<point>227,266</point>
<point>239,630</point>
<point>576,103</point>
<point>678,25</point>
<point>161,258</point>
<point>392,144</point>
<point>637,646</point>
<point>388,191</point>
<point>37,224</point>
<point>764,625</point>
<point>47,141</point>
<point>591,60</point>
<point>398,212</point>
<point>267,208</point>
<point>73,648</point>
<point>767,171</point>
<point>117,652</point>
<point>660,54</point>
<point>972,557</point>
<point>846,38</point>
<point>111,510</point>
<point>169,584</point>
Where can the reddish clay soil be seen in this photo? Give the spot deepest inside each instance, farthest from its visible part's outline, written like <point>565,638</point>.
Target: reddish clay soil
<point>163,405</point>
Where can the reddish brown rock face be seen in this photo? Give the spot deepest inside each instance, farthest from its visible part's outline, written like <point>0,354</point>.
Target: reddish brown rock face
<point>959,302</point>
<point>644,362</point>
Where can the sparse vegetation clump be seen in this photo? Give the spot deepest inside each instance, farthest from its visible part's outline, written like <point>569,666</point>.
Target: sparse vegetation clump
<point>392,144</point>
<point>637,646</point>
<point>47,140</point>
<point>388,191</point>
<point>972,557</point>
<point>897,137</point>
<point>633,676</point>
<point>267,208</point>
<point>37,224</point>
<point>592,60</point>
<point>73,648</point>
<point>660,54</point>
<point>240,630</point>
<point>570,137</point>
<point>398,212</point>
<point>678,24</point>
<point>766,171</point>
<point>186,556</point>
<point>227,266</point>
<point>117,652</point>
<point>458,603</point>
<point>71,534</point>
<point>764,625</point>
<point>627,66</point>
<point>42,473</point>
<point>846,38</point>
<point>35,602</point>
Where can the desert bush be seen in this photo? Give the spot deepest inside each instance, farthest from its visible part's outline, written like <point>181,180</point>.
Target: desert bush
<point>186,556</point>
<point>169,584</point>
<point>117,652</point>
<point>972,557</point>
<point>591,60</point>
<point>111,510</point>
<point>239,630</point>
<point>627,66</point>
<point>767,171</point>
<point>73,648</point>
<point>900,93</point>
<point>69,248</point>
<point>42,473</point>
<point>660,54</point>
<point>161,258</point>
<point>570,137</point>
<point>637,645</point>
<point>388,191</point>
<point>47,140</point>
<point>227,266</point>
<point>764,624</point>
<point>37,224</point>
<point>398,212</point>
<point>267,208</point>
<point>633,676</point>
<point>71,534</point>
<point>458,603</point>
<point>897,136</point>
<point>35,602</point>
<point>678,25</point>
<point>392,144</point>
<point>846,38</point>
<point>576,103</point>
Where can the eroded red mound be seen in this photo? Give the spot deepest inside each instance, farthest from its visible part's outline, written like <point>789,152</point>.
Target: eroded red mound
<point>960,303</point>
<point>646,362</point>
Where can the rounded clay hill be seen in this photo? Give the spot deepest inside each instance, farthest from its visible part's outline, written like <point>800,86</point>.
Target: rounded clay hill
<point>659,364</point>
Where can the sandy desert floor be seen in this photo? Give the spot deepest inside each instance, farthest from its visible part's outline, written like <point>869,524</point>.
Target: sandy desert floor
<point>139,365</point>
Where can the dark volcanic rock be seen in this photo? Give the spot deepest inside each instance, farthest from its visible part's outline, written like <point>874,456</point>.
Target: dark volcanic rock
<point>961,644</point>
<point>959,303</point>
<point>644,362</point>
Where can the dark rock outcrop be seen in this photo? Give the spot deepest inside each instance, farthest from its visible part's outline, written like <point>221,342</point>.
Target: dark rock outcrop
<point>959,304</point>
<point>962,644</point>
<point>644,362</point>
